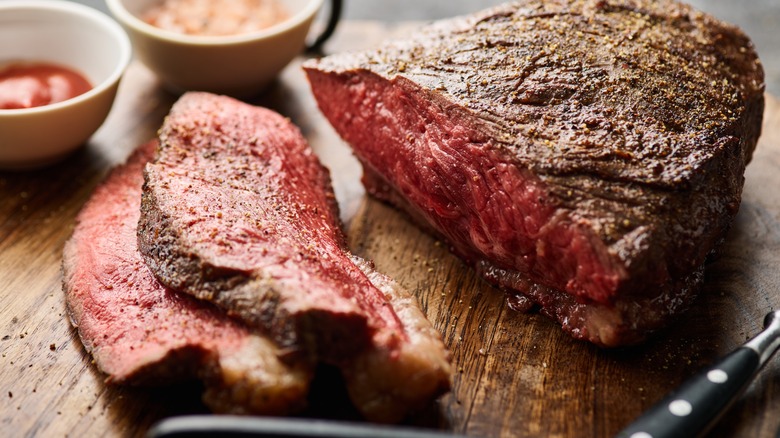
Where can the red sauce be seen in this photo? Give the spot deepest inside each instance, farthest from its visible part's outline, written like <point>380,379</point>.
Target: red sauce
<point>28,85</point>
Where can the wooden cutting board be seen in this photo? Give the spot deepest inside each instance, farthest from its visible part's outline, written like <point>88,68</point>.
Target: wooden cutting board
<point>516,374</point>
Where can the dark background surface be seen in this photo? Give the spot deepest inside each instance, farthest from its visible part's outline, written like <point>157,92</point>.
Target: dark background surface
<point>760,19</point>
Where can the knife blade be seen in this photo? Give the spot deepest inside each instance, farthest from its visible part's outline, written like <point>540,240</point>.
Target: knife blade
<point>198,426</point>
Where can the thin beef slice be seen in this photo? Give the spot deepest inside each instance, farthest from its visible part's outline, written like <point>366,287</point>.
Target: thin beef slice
<point>586,156</point>
<point>140,332</point>
<point>237,210</point>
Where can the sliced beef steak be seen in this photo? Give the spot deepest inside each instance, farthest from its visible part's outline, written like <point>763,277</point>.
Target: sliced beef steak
<point>237,210</point>
<point>138,331</point>
<point>586,155</point>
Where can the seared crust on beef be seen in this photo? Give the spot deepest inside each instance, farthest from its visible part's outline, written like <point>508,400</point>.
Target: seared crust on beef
<point>593,147</point>
<point>140,332</point>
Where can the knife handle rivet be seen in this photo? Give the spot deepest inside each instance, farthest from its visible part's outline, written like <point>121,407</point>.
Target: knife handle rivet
<point>680,408</point>
<point>717,376</point>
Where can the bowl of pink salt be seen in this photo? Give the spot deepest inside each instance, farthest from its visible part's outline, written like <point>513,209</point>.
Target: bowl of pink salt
<point>233,47</point>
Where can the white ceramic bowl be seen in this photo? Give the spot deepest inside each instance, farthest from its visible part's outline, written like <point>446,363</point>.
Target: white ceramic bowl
<point>71,35</point>
<point>239,65</point>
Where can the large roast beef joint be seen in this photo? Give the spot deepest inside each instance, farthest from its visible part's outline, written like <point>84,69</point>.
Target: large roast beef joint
<point>585,156</point>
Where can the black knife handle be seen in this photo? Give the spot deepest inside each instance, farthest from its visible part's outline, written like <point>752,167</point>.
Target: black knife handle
<point>691,409</point>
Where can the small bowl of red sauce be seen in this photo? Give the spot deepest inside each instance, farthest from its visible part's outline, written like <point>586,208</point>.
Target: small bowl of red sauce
<point>233,47</point>
<point>59,72</point>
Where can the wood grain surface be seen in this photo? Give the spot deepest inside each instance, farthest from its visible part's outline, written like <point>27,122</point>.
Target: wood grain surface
<point>515,374</point>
